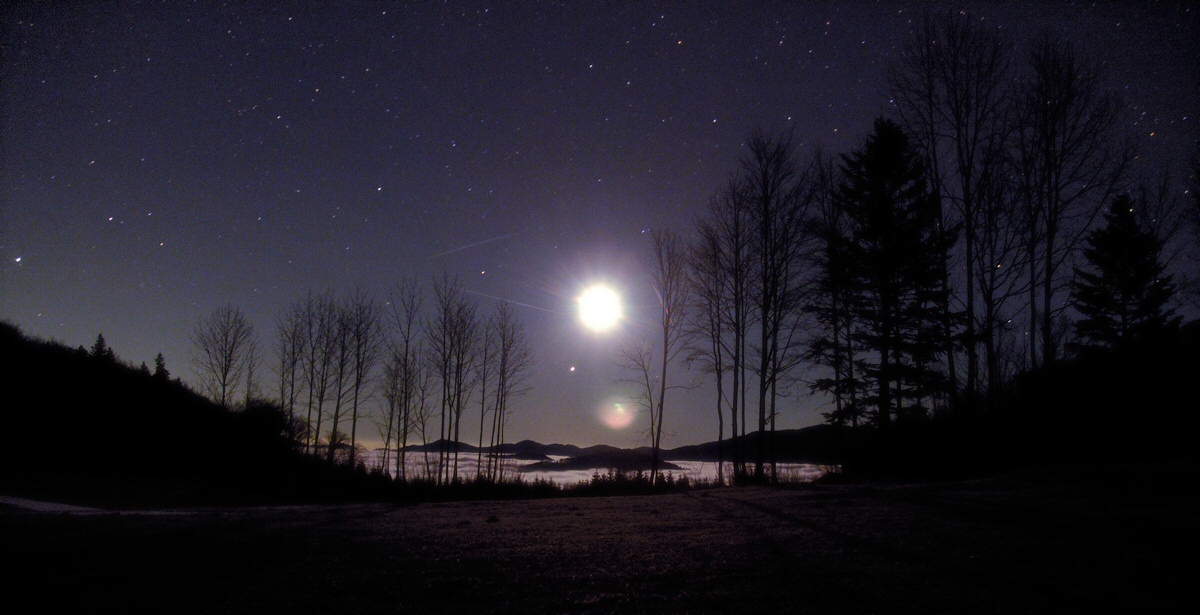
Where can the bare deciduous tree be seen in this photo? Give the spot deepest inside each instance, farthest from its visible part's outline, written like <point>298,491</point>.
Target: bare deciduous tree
<point>319,330</point>
<point>778,193</point>
<point>342,375</point>
<point>1000,278</point>
<point>706,329</point>
<point>289,350</point>
<point>253,363</point>
<point>951,96</point>
<point>729,214</point>
<point>424,387</point>
<point>452,332</point>
<point>484,368</point>
<point>388,423</point>
<point>407,361</point>
<point>1068,167</point>
<point>221,343</point>
<point>366,338</point>
<point>513,360</point>
<point>666,264</point>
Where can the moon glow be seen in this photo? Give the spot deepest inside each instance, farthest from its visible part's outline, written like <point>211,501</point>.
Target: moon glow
<point>599,308</point>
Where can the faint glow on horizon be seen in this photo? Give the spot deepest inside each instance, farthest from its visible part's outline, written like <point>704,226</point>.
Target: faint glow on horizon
<point>599,308</point>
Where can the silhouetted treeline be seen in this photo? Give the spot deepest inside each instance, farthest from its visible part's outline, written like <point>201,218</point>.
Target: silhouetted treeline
<point>82,426</point>
<point>1136,402</point>
<point>85,425</point>
<point>408,366</point>
<point>992,235</point>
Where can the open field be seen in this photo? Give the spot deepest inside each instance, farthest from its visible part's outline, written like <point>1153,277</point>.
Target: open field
<point>1045,540</point>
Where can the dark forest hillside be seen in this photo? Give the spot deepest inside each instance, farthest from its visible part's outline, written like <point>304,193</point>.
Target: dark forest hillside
<point>94,428</point>
<point>1134,403</point>
<point>816,444</point>
<point>1140,399</point>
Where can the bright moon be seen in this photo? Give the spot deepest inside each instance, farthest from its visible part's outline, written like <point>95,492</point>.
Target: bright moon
<point>599,308</point>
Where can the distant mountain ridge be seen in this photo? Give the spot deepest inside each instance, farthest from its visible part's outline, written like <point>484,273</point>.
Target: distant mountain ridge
<point>816,444</point>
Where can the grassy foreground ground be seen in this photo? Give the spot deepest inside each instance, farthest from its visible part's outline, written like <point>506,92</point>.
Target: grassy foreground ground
<point>1047,540</point>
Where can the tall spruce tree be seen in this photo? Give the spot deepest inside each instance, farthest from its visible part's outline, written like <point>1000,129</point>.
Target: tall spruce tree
<point>1123,294</point>
<point>834,291</point>
<point>101,350</point>
<point>894,251</point>
<point>160,367</point>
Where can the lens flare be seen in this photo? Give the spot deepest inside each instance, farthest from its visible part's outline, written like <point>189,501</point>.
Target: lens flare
<point>616,416</point>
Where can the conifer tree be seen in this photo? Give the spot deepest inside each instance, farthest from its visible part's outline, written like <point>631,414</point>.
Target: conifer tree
<point>894,250</point>
<point>1122,294</point>
<point>101,350</point>
<point>834,292</point>
<point>160,368</point>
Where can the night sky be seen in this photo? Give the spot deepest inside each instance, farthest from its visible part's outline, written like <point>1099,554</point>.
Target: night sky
<point>160,159</point>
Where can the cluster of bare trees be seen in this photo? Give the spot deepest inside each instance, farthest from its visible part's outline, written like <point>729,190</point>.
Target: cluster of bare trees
<point>915,276</point>
<point>732,302</point>
<point>340,360</point>
<point>326,352</point>
<point>748,278</point>
<point>407,381</point>
<point>466,356</point>
<point>509,362</point>
<point>333,355</point>
<point>1023,153</point>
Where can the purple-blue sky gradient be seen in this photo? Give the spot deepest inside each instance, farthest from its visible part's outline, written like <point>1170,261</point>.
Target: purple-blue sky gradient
<point>160,159</point>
